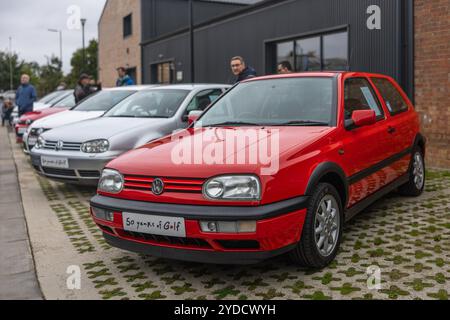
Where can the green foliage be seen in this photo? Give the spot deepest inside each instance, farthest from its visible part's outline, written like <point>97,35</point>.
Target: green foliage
<point>91,67</point>
<point>48,76</point>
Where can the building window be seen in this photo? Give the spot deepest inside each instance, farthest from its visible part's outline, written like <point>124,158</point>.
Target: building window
<point>335,51</point>
<point>127,26</point>
<point>162,73</point>
<point>327,51</point>
<point>307,52</point>
<point>285,52</point>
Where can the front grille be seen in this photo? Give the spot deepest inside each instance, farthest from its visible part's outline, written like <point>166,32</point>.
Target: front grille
<point>187,242</point>
<point>189,185</point>
<point>89,173</point>
<point>67,146</point>
<point>60,172</point>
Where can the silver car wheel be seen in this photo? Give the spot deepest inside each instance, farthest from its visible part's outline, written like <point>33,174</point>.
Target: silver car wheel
<point>327,225</point>
<point>418,171</point>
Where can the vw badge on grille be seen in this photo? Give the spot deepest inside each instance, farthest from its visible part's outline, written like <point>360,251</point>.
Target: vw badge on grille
<point>157,186</point>
<point>59,145</point>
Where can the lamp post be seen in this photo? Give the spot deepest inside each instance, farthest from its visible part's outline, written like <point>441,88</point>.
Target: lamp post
<point>191,38</point>
<point>10,65</point>
<point>60,45</point>
<point>83,23</point>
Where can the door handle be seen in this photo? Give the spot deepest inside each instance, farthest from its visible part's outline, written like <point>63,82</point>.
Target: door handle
<point>391,130</point>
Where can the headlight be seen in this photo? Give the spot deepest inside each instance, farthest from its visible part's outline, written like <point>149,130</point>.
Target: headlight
<point>39,143</point>
<point>39,131</point>
<point>28,122</point>
<point>233,188</point>
<point>95,146</point>
<point>111,181</point>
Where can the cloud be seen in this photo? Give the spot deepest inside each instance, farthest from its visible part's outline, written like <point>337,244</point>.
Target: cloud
<point>28,21</point>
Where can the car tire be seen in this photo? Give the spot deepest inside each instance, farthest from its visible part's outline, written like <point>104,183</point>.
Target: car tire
<point>416,183</point>
<point>310,252</point>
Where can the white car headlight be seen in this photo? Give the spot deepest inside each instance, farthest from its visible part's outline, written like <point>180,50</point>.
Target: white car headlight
<point>111,181</point>
<point>95,146</point>
<point>233,188</point>
<point>39,143</point>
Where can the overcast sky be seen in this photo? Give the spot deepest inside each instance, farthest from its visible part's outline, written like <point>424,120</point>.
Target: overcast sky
<point>28,21</point>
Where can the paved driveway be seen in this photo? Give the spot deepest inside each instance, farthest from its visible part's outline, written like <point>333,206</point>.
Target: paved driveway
<point>408,239</point>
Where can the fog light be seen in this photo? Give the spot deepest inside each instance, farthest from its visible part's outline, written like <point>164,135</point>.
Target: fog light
<point>228,226</point>
<point>103,214</point>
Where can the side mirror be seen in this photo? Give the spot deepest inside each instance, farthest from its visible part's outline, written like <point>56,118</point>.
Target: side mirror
<point>361,118</point>
<point>193,116</point>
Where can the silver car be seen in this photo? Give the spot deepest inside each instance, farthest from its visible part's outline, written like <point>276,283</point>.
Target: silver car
<point>92,107</point>
<point>78,152</point>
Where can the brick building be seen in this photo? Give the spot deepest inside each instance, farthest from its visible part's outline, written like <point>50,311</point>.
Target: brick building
<point>119,37</point>
<point>412,45</point>
<point>432,76</point>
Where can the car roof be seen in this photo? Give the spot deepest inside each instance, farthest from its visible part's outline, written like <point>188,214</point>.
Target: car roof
<point>315,74</point>
<point>126,88</point>
<point>190,86</point>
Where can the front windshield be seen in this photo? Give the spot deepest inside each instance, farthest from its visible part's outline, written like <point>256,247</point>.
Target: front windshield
<point>155,103</point>
<point>67,102</point>
<point>103,100</point>
<point>51,96</point>
<point>275,102</point>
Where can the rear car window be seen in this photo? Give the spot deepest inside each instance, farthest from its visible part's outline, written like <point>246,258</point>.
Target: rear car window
<point>394,100</point>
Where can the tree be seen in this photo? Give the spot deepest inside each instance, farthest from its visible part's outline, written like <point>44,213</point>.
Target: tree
<point>50,76</point>
<point>91,67</point>
<point>5,70</point>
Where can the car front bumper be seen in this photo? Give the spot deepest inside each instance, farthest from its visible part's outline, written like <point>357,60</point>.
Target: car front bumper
<point>82,170</point>
<point>278,230</point>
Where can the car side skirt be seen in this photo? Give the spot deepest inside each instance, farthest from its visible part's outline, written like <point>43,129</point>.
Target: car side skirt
<point>361,205</point>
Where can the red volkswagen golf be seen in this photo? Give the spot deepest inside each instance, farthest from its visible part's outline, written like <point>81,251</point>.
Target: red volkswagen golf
<point>277,164</point>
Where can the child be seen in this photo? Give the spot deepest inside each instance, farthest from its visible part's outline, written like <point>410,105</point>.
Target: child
<point>7,109</point>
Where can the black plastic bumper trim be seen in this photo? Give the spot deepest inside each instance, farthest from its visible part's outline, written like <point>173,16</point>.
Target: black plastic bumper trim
<point>202,256</point>
<point>197,212</point>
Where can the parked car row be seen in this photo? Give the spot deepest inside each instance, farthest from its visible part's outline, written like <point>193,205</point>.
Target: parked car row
<point>340,141</point>
<point>52,103</point>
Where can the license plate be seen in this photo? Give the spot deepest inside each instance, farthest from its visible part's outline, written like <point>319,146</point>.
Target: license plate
<point>21,130</point>
<point>55,162</point>
<point>158,225</point>
<point>32,141</point>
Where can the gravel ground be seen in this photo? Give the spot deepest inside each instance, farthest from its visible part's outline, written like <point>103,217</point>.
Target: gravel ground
<point>407,238</point>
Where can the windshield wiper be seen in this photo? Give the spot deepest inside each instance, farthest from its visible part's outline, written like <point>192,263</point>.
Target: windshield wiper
<point>304,123</point>
<point>232,123</point>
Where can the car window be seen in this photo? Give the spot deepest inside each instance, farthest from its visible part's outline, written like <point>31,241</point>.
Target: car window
<point>393,99</point>
<point>46,99</point>
<point>162,103</point>
<point>67,102</point>
<point>359,95</point>
<point>103,100</point>
<point>290,101</point>
<point>203,99</point>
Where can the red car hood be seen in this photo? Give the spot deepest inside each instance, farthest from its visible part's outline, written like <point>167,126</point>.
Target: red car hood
<point>179,155</point>
<point>36,115</point>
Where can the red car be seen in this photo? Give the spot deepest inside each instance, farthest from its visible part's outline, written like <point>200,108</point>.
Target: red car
<point>338,142</point>
<point>62,104</point>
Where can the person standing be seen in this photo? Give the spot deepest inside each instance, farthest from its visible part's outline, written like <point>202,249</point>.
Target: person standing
<point>240,70</point>
<point>83,88</point>
<point>284,67</point>
<point>25,95</point>
<point>7,109</point>
<point>124,79</point>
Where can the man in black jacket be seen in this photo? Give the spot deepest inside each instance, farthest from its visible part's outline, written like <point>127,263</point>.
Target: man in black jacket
<point>240,70</point>
<point>83,88</point>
